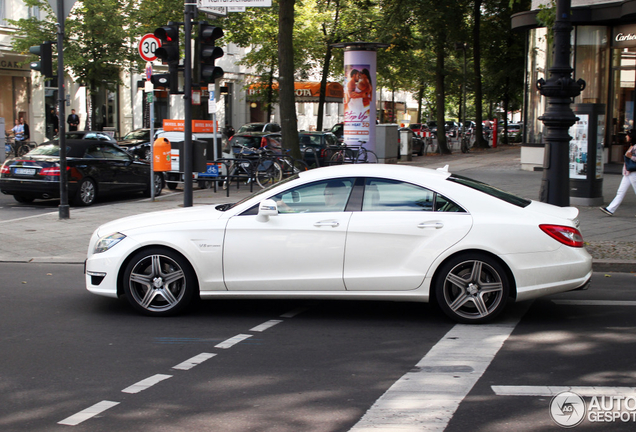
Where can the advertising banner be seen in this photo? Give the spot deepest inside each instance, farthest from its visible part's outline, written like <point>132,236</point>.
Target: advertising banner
<point>359,98</point>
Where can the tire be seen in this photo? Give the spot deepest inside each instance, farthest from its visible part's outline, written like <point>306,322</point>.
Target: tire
<point>336,159</point>
<point>23,149</point>
<point>367,157</point>
<point>472,288</point>
<point>173,181</point>
<point>268,172</point>
<point>159,282</point>
<point>159,183</point>
<point>300,166</point>
<point>86,192</point>
<point>23,199</point>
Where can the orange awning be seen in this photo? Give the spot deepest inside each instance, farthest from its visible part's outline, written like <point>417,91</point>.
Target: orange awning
<point>306,91</point>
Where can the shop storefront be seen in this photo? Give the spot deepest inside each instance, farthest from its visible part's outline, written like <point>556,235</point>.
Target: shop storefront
<point>603,54</point>
<point>15,88</point>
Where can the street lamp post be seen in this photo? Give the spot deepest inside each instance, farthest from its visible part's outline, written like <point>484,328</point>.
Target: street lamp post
<point>560,89</point>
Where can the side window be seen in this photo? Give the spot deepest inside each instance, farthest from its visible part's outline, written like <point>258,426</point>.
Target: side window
<point>392,195</point>
<point>323,196</point>
<point>111,152</point>
<point>94,152</point>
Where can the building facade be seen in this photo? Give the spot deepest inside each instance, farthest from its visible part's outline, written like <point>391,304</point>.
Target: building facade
<point>604,55</point>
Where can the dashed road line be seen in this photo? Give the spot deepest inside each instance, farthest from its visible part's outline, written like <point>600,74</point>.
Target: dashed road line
<point>265,325</point>
<point>88,413</point>
<point>595,302</point>
<point>229,343</point>
<point>194,361</point>
<point>100,407</point>
<point>585,391</point>
<point>146,383</point>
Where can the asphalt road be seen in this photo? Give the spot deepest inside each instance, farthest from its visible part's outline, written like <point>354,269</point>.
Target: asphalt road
<point>289,365</point>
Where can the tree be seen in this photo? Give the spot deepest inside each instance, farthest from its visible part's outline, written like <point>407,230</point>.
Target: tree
<point>289,122</point>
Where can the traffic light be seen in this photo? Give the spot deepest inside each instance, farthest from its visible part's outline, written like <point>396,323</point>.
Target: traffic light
<point>209,52</point>
<point>45,52</point>
<point>169,53</point>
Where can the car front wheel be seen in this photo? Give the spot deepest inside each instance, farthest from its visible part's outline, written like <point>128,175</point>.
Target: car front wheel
<point>159,282</point>
<point>472,289</point>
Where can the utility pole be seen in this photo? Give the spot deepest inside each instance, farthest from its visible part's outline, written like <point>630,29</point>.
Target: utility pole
<point>560,89</point>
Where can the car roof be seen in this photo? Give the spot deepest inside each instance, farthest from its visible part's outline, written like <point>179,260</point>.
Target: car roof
<point>402,172</point>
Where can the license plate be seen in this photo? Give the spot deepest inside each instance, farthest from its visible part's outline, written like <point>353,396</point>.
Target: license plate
<point>24,171</point>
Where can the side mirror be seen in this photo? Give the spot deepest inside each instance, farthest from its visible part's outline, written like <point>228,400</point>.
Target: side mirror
<point>266,209</point>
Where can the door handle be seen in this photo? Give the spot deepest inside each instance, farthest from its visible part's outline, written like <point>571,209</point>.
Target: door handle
<point>327,223</point>
<point>436,225</point>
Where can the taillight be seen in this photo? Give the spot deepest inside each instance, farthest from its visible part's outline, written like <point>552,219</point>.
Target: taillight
<point>263,142</point>
<point>563,234</point>
<point>51,171</point>
<point>5,169</point>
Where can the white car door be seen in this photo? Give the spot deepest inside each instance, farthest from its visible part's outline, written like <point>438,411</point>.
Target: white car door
<point>300,249</point>
<point>401,229</point>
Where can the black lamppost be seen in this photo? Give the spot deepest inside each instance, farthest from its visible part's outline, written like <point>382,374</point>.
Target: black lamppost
<point>560,89</point>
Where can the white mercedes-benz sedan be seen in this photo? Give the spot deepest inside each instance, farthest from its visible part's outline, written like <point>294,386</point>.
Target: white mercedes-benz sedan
<point>364,231</point>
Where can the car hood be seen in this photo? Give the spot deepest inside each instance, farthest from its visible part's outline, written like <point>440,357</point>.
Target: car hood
<point>570,213</point>
<point>161,218</point>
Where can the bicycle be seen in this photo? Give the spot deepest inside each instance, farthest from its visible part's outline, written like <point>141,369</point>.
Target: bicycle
<point>251,164</point>
<point>364,155</point>
<point>15,148</point>
<point>290,165</point>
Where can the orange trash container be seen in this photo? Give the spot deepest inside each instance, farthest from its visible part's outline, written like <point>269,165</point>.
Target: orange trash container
<point>161,155</point>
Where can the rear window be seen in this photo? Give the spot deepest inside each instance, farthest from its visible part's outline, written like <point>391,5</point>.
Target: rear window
<point>490,190</point>
<point>253,142</point>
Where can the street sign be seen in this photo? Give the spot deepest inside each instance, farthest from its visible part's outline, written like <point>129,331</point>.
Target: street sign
<point>147,46</point>
<point>67,6</point>
<point>148,71</point>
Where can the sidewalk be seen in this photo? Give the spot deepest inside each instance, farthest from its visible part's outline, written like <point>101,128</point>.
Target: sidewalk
<point>46,238</point>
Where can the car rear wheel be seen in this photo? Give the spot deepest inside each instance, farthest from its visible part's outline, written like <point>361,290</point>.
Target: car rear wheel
<point>23,199</point>
<point>159,282</point>
<point>86,192</point>
<point>472,288</point>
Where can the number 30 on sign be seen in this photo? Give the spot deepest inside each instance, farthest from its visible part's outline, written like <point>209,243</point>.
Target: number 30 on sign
<point>147,46</point>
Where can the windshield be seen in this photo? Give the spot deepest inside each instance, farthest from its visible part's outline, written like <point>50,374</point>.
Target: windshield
<point>256,127</point>
<point>490,190</point>
<point>46,150</point>
<point>137,135</point>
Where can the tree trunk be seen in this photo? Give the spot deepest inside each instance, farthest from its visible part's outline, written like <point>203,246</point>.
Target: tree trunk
<point>323,88</point>
<point>289,122</point>
<point>440,92</point>
<point>479,133</point>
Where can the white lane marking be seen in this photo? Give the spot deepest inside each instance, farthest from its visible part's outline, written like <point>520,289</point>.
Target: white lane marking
<point>89,412</point>
<point>426,398</point>
<point>192,362</point>
<point>232,341</point>
<point>146,383</point>
<point>595,302</point>
<point>29,217</point>
<point>586,391</point>
<point>293,313</point>
<point>265,325</point>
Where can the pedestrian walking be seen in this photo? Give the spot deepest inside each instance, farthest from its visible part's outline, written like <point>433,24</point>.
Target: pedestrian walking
<point>629,177</point>
<point>73,121</point>
<point>25,129</point>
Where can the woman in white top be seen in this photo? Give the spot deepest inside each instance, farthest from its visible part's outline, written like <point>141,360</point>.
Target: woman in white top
<point>629,178</point>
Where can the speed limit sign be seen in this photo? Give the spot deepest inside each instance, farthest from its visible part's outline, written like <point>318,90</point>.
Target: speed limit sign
<point>147,46</point>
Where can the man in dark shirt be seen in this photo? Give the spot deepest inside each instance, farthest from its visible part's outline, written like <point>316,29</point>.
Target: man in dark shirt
<point>73,121</point>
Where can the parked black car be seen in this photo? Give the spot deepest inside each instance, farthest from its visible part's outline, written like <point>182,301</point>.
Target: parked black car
<point>338,131</point>
<point>89,135</point>
<point>137,142</point>
<point>259,127</point>
<point>417,143</point>
<point>95,168</point>
<point>317,147</point>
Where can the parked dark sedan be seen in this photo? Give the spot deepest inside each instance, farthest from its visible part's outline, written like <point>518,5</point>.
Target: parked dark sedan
<point>137,142</point>
<point>94,168</point>
<point>318,147</point>
<point>90,135</point>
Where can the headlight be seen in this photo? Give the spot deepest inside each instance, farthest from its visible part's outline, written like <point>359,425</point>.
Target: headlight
<point>107,242</point>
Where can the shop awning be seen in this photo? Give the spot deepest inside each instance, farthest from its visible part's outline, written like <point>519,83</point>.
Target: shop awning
<point>305,91</point>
